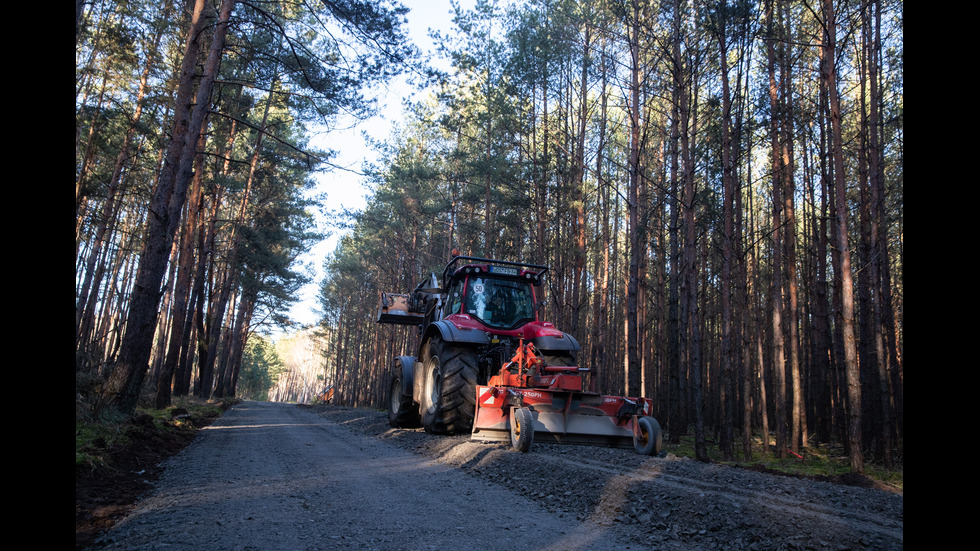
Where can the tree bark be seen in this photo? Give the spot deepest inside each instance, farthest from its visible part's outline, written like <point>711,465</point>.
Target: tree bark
<point>180,315</point>
<point>778,173</point>
<point>164,215</point>
<point>848,343</point>
<point>633,380</point>
<point>727,388</point>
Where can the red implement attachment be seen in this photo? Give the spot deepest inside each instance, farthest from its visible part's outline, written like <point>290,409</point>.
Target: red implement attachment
<point>528,400</point>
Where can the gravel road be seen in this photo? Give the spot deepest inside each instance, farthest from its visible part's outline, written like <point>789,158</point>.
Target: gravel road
<point>270,476</point>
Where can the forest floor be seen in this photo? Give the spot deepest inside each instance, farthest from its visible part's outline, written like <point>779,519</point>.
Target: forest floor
<point>107,493</point>
<point>326,477</point>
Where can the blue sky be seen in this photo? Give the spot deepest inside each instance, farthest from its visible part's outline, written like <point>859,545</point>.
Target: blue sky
<point>346,189</point>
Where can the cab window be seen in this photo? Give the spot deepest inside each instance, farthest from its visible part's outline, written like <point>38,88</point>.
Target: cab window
<point>499,303</point>
<point>455,299</point>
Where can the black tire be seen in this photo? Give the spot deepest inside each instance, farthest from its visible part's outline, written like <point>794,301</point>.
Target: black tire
<point>559,358</point>
<point>402,412</point>
<point>650,439</point>
<point>431,391</point>
<point>521,429</point>
<point>449,392</point>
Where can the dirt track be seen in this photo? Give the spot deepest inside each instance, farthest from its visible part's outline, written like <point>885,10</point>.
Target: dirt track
<point>277,476</point>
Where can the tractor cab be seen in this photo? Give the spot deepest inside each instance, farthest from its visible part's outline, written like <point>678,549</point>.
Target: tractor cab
<point>498,295</point>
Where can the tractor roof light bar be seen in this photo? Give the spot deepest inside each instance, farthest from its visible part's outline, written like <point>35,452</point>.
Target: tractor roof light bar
<point>450,268</point>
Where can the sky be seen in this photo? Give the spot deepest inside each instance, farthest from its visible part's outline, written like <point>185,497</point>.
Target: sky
<point>346,189</point>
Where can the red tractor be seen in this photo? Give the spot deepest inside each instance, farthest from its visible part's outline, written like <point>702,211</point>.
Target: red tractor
<point>487,364</point>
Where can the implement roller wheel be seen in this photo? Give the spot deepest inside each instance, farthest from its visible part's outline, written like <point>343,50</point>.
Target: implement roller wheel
<point>521,429</point>
<point>647,437</point>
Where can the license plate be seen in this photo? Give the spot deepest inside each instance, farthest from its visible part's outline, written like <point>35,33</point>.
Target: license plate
<point>504,270</point>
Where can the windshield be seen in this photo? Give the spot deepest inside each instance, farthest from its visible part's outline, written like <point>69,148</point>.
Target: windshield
<point>499,303</point>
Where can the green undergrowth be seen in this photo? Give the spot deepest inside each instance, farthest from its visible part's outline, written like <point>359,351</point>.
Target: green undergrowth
<point>819,462</point>
<point>99,435</point>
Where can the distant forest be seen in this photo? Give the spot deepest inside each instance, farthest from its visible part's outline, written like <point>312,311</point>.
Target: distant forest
<point>717,187</point>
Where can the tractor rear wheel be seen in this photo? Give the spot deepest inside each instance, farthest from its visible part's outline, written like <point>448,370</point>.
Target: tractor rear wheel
<point>562,358</point>
<point>449,393</point>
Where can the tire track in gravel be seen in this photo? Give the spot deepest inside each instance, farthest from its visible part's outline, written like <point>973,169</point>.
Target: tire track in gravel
<point>771,496</point>
<point>667,502</point>
<point>273,477</point>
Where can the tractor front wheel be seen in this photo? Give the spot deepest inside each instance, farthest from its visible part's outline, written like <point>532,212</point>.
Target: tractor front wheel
<point>401,410</point>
